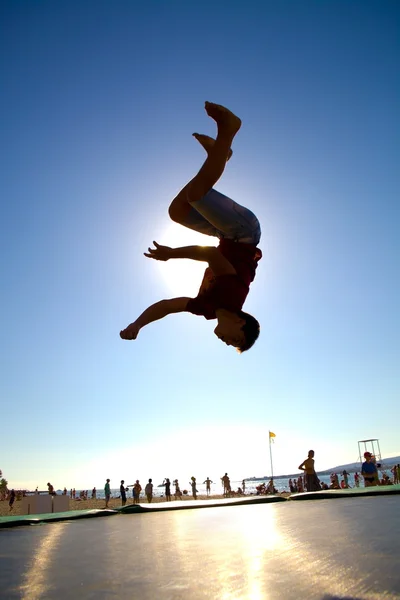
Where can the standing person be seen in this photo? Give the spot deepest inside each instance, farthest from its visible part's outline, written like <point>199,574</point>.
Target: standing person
<point>244,486</point>
<point>311,479</point>
<point>167,485</point>
<point>148,490</point>
<point>137,488</point>
<point>231,266</point>
<point>178,493</point>
<point>346,479</point>
<point>193,484</point>
<point>94,493</point>
<point>356,479</point>
<point>270,487</point>
<point>122,491</point>
<point>12,499</point>
<point>369,471</point>
<point>107,492</point>
<point>208,483</point>
<point>226,482</point>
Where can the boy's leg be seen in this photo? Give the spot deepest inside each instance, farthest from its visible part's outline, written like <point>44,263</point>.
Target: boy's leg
<point>228,125</point>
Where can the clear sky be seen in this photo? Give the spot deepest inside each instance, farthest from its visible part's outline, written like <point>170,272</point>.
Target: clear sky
<point>98,103</point>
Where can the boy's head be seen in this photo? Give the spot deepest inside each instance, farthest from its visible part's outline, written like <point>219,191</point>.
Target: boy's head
<point>237,329</point>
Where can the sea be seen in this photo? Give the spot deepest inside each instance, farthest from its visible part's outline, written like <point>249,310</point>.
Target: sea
<point>281,485</point>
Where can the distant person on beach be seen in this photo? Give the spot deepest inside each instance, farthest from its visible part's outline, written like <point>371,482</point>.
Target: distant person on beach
<point>178,493</point>
<point>137,488</point>
<point>369,471</point>
<point>94,493</point>
<point>148,490</point>
<point>167,485</point>
<point>107,492</point>
<point>193,484</point>
<point>334,482</point>
<point>12,499</point>
<point>356,479</point>
<point>226,483</point>
<point>50,489</point>
<point>244,486</point>
<point>208,483</point>
<point>231,267</point>
<point>346,479</point>
<point>311,479</point>
<point>122,492</point>
<point>396,474</point>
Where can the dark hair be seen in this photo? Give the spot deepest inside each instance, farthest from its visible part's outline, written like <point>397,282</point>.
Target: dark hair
<point>251,330</point>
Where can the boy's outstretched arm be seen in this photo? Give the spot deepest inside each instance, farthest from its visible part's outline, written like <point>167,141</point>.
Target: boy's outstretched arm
<point>210,254</point>
<point>156,311</point>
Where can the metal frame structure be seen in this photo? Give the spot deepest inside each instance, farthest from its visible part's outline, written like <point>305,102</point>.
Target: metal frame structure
<point>369,446</point>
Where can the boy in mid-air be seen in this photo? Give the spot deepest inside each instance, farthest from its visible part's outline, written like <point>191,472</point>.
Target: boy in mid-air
<point>232,265</point>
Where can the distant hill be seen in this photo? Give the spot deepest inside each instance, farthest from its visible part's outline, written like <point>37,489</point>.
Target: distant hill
<point>355,466</point>
<point>386,463</point>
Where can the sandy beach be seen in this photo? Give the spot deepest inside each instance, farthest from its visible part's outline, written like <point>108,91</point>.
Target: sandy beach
<point>99,504</point>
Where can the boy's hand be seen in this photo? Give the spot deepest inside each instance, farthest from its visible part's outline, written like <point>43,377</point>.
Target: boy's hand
<point>131,332</point>
<point>159,252</point>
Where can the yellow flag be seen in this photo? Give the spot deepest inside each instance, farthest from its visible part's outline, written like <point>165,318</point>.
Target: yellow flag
<point>271,435</point>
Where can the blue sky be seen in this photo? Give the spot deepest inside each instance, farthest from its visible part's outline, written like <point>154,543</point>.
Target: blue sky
<point>99,100</point>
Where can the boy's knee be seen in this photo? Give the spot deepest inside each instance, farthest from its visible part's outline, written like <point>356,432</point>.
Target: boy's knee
<point>178,212</point>
<point>173,213</point>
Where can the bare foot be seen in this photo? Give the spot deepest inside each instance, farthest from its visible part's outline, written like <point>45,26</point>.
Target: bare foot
<point>208,142</point>
<point>227,122</point>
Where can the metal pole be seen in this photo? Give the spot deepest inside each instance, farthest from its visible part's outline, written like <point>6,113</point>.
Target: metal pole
<point>270,455</point>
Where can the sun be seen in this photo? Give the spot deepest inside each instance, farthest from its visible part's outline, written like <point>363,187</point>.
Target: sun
<point>183,276</point>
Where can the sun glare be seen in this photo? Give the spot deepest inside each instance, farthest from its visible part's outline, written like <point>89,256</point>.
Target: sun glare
<point>183,276</point>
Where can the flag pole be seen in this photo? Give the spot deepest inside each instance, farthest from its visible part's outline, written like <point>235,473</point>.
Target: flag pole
<point>270,455</point>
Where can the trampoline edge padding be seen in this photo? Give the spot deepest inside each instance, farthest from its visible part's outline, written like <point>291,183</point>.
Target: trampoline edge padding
<point>24,520</point>
<point>349,493</point>
<point>193,504</point>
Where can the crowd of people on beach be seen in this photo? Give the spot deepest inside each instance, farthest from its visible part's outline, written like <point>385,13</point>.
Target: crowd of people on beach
<point>307,482</point>
<point>177,493</point>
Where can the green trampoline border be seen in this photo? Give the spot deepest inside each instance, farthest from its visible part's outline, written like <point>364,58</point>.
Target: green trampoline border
<point>24,520</point>
<point>385,490</point>
<point>42,519</point>
<point>194,504</point>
